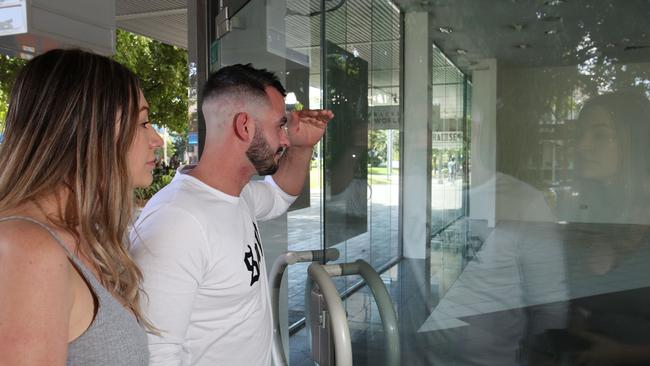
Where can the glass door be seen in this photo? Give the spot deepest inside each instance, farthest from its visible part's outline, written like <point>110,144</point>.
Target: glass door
<point>343,56</point>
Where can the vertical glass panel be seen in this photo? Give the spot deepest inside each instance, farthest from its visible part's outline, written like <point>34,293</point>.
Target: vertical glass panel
<point>345,152</point>
<point>362,87</point>
<point>303,31</point>
<point>548,265</point>
<point>447,143</point>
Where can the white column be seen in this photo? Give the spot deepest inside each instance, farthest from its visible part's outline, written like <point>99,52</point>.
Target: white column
<point>416,188</point>
<point>482,200</point>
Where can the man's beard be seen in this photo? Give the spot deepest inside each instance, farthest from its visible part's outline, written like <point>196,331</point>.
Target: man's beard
<point>261,155</point>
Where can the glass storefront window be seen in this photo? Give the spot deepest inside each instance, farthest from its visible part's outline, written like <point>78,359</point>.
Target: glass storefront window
<point>353,195</point>
<point>533,134</point>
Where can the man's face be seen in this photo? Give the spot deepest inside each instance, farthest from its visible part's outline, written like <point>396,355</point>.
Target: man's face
<point>262,156</point>
<point>265,152</point>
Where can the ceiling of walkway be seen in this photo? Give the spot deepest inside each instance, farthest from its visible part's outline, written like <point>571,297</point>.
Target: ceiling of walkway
<point>516,32</point>
<point>163,20</point>
<point>538,32</point>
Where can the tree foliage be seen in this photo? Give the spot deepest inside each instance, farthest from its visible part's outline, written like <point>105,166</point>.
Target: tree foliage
<point>162,70</point>
<point>377,146</point>
<point>9,68</point>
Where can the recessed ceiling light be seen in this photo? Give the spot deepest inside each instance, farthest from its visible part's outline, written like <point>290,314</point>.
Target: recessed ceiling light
<point>446,30</point>
<point>551,31</point>
<point>461,51</point>
<point>625,40</point>
<point>523,46</point>
<point>547,17</point>
<point>554,2</point>
<point>610,45</point>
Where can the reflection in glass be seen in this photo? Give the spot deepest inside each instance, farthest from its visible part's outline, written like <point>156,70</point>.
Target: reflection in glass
<point>551,267</point>
<point>610,150</point>
<point>561,276</point>
<point>346,148</point>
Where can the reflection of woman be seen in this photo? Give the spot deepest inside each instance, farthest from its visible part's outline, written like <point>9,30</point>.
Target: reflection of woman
<point>612,178</point>
<point>77,140</point>
<point>610,314</point>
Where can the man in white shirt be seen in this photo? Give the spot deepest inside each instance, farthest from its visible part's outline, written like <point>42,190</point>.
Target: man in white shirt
<point>197,240</point>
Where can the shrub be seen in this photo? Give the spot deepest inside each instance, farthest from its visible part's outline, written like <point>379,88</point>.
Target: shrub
<point>161,178</point>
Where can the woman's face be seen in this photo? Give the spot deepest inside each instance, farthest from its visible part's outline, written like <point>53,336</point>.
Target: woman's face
<point>141,158</point>
<point>598,146</point>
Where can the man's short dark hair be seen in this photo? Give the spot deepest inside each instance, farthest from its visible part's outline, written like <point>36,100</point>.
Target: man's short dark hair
<point>241,79</point>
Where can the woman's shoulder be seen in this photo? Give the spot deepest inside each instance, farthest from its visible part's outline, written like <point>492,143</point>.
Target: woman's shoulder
<point>30,247</point>
<point>37,287</point>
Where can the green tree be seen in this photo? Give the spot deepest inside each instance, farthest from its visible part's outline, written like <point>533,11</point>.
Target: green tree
<point>377,146</point>
<point>162,70</point>
<point>9,68</point>
<point>163,74</point>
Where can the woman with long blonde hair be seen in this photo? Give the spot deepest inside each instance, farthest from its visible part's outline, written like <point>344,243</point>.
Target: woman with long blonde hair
<point>77,141</point>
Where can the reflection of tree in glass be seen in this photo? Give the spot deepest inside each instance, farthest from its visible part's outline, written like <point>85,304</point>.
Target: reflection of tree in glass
<point>346,144</point>
<point>544,102</point>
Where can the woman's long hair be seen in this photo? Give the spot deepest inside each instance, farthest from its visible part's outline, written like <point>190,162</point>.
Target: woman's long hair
<point>71,120</point>
<point>625,199</point>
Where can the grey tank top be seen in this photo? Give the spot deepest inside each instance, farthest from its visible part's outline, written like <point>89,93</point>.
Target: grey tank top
<point>114,337</point>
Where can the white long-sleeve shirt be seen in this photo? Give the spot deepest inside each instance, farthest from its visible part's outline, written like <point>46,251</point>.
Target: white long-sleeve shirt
<point>205,283</point>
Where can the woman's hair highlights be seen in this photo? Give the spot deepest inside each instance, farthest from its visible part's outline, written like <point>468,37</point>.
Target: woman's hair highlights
<point>71,121</point>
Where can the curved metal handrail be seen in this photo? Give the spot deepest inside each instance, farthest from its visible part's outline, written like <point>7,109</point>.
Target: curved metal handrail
<point>384,304</point>
<point>338,320</point>
<point>277,271</point>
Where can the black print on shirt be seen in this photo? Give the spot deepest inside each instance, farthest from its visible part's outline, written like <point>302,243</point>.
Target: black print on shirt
<point>253,261</point>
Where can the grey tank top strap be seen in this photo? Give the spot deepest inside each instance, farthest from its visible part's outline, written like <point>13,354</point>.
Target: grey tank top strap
<point>114,337</point>
<point>44,226</point>
<point>88,276</point>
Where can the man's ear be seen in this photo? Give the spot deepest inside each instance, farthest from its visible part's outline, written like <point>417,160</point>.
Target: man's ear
<point>243,126</point>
